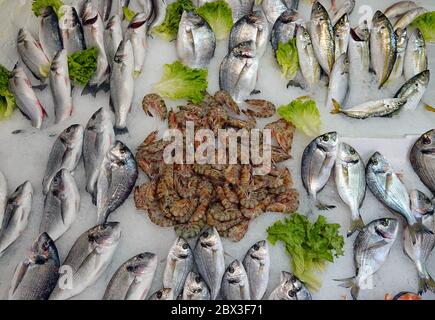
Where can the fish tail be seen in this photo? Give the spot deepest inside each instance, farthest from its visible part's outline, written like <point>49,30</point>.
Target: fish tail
<point>418,228</point>
<point>90,89</point>
<point>355,224</point>
<point>120,131</point>
<point>352,284</point>
<point>105,86</point>
<point>336,107</point>
<point>425,283</point>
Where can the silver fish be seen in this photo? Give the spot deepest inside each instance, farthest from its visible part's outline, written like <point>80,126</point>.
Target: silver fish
<point>25,97</point>
<point>310,67</point>
<point>359,54</point>
<point>71,30</point>
<point>378,108</point>
<point>158,13</point>
<point>60,85</point>
<point>238,71</point>
<point>416,59</point>
<point>3,195</point>
<point>162,295</point>
<point>371,249</point>
<point>408,17</point>
<point>284,28</point>
<point>339,81</point>
<point>195,288</point>
<point>122,85</point>
<point>317,162</point>
<point>36,276</point>
<point>342,36</point>
<point>252,27</point>
<point>399,9</point>
<point>414,89</point>
<point>421,205</point>
<point>93,29</point>
<point>423,159</point>
<point>87,260</point>
<point>61,205</point>
<point>137,34</point>
<point>274,8</point>
<point>345,9</point>
<point>16,215</point>
<point>322,37</point>
<point>383,47</point>
<point>240,8</point>
<point>32,55</point>
<point>99,137</point>
<point>209,258</point>
<point>402,41</point>
<point>104,7</point>
<point>257,266</point>
<point>235,284</point>
<point>132,281</point>
<point>113,37</point>
<point>178,265</point>
<point>351,183</point>
<point>65,154</point>
<point>386,186</point>
<point>196,41</point>
<point>49,33</point>
<point>290,288</point>
<point>116,180</point>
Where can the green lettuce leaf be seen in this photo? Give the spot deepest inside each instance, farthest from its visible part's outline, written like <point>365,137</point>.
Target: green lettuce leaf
<point>82,65</point>
<point>288,59</point>
<point>39,5</point>
<point>181,82</point>
<point>169,28</point>
<point>310,246</point>
<point>128,13</point>
<point>7,99</point>
<point>303,114</point>
<point>426,23</point>
<point>219,16</point>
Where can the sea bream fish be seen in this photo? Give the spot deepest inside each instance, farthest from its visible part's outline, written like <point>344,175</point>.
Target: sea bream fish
<point>16,216</point>
<point>137,34</point>
<point>274,8</point>
<point>414,89</point>
<point>122,85</point>
<point>342,36</point>
<point>310,67</point>
<point>416,59</point>
<point>61,205</point>
<point>99,137</point>
<point>195,288</point>
<point>25,97</point>
<point>238,71</point>
<point>3,195</point>
<point>257,266</point>
<point>49,33</point>
<point>383,47</point>
<point>240,8</point>
<point>133,279</point>
<point>339,81</point>
<point>322,37</point>
<point>196,41</point>
<point>87,260</point>
<point>32,55</point>
<point>402,42</point>
<point>290,288</point>
<point>235,284</point>
<point>60,85</point>
<point>65,154</point>
<point>209,258</point>
<point>36,276</point>
<point>371,249</point>
<point>71,30</point>
<point>317,162</point>
<point>377,108</point>
<point>252,27</point>
<point>162,295</point>
<point>351,183</point>
<point>113,37</point>
<point>116,181</point>
<point>284,28</point>
<point>423,159</point>
<point>93,29</point>
<point>387,187</point>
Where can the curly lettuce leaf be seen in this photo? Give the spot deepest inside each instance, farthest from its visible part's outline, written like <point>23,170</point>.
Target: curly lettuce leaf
<point>7,99</point>
<point>288,59</point>
<point>303,114</point>
<point>219,16</point>
<point>169,28</point>
<point>128,13</point>
<point>310,246</point>
<point>426,24</point>
<point>82,65</point>
<point>181,82</point>
<point>39,5</point>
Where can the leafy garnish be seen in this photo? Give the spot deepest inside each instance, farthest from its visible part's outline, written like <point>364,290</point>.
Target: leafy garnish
<point>82,65</point>
<point>288,59</point>
<point>426,24</point>
<point>219,16</point>
<point>7,99</point>
<point>303,114</point>
<point>169,28</point>
<point>39,5</point>
<point>128,14</point>
<point>181,82</point>
<point>310,246</point>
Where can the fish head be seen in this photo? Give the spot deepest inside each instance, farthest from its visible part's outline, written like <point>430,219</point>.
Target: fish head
<point>343,26</point>
<point>418,39</point>
<point>139,20</point>
<point>190,20</point>
<point>402,39</point>
<point>141,264</point>
<point>100,121</point>
<point>422,80</point>
<point>47,12</point>
<point>23,36</point>
<point>124,52</point>
<point>181,249</point>
<point>105,235</point>
<point>327,142</point>
<point>43,250</point>
<point>164,294</point>
<point>245,49</point>
<point>59,64</point>
<point>288,16</point>
<point>194,283</point>
<point>378,164</point>
<point>259,251</point>
<point>362,33</point>
<point>256,18</point>
<point>69,17</point>
<point>386,228</point>
<point>234,272</point>
<point>380,23</point>
<point>90,14</point>
<point>72,134</point>
<point>420,203</point>
<point>293,288</point>
<point>347,153</point>
<point>119,153</point>
<point>21,193</point>
<point>303,35</point>
<point>209,238</point>
<point>318,13</point>
<point>426,143</point>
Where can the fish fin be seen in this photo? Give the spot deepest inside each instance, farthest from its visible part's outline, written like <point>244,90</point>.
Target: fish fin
<point>94,198</point>
<point>324,207</point>
<point>417,228</point>
<point>111,104</point>
<point>25,115</point>
<point>298,82</point>
<point>105,86</point>
<point>255,91</point>
<point>90,89</point>
<point>336,107</point>
<point>425,283</point>
<point>352,284</point>
<point>388,181</point>
<point>40,87</point>
<point>355,225</point>
<point>429,108</point>
<point>120,131</point>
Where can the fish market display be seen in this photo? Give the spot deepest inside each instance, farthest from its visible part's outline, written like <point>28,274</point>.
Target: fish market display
<point>133,279</point>
<point>423,159</point>
<point>235,284</point>
<point>415,55</point>
<point>257,265</point>
<point>195,288</point>
<point>71,30</point>
<point>137,34</point>
<point>88,259</point>
<point>36,276</point>
<point>371,249</point>
<point>290,288</point>
<point>49,33</point>
<point>414,89</point>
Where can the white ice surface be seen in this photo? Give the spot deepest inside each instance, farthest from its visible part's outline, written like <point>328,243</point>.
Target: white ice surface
<point>24,156</point>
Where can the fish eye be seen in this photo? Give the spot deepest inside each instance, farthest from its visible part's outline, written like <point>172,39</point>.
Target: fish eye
<point>426,140</point>
<point>185,246</point>
<point>130,268</point>
<point>230,269</point>
<point>205,234</point>
<point>198,279</point>
<point>325,138</point>
<point>256,247</point>
<point>141,256</point>
<point>375,162</point>
<point>159,295</point>
<point>291,293</point>
<point>385,223</point>
<point>352,151</point>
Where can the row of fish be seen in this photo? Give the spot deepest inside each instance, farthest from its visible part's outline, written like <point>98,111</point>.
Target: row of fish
<point>325,154</point>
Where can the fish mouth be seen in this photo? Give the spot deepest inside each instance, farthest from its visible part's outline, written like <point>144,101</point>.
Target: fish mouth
<point>430,151</point>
